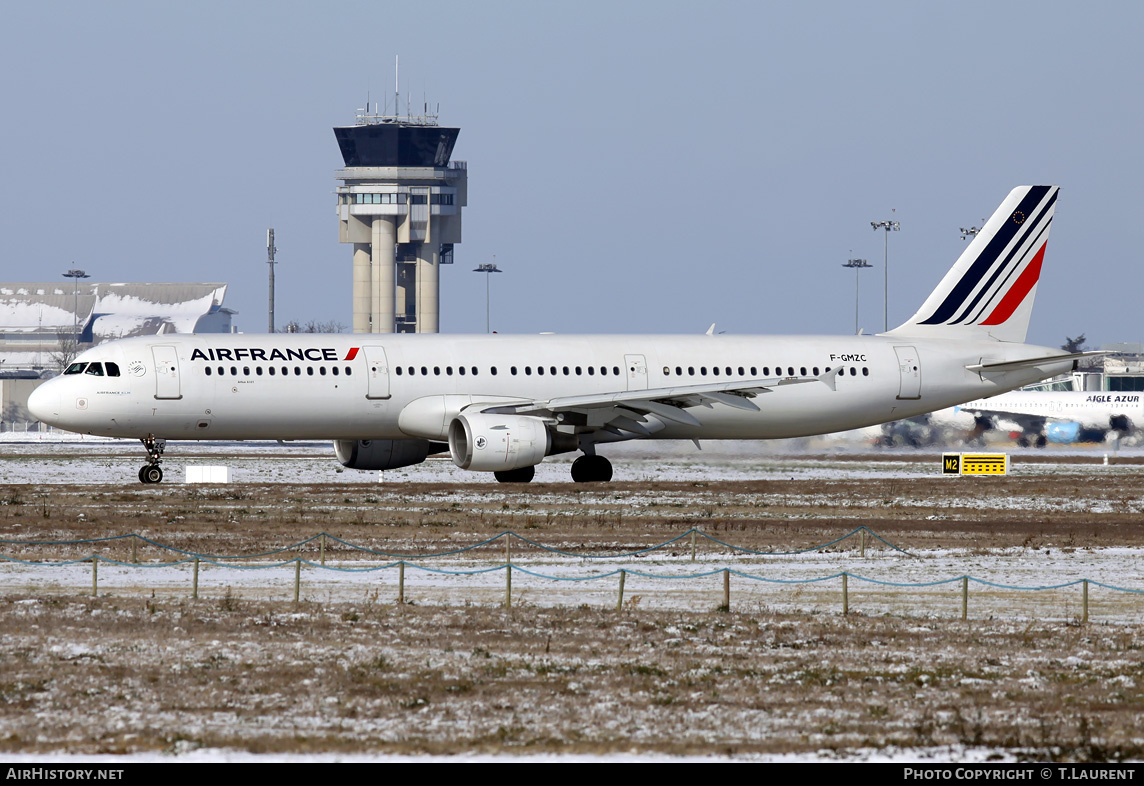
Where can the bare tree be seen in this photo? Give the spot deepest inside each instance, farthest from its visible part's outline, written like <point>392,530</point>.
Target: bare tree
<point>1075,344</point>
<point>313,326</point>
<point>69,347</point>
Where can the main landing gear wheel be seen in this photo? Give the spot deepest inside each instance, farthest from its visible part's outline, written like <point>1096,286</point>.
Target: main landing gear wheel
<point>150,473</point>
<point>589,469</point>
<point>521,475</point>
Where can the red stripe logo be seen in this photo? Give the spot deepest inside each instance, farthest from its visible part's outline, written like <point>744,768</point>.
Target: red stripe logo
<point>352,354</point>
<point>1018,292</point>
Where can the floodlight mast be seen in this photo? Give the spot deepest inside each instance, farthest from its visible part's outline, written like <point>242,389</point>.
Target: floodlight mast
<point>75,274</point>
<point>889,226</point>
<point>857,264</point>
<point>270,249</point>
<point>487,268</point>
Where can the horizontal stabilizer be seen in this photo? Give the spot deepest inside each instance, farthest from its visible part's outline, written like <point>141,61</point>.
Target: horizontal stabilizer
<point>1011,365</point>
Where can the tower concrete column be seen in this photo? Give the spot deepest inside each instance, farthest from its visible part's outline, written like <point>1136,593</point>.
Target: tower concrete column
<point>428,284</point>
<point>363,288</point>
<point>383,247</point>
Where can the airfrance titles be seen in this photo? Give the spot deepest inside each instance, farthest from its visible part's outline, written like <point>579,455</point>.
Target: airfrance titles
<point>258,353</point>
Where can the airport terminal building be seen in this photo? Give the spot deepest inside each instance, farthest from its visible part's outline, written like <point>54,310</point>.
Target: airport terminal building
<point>44,325</point>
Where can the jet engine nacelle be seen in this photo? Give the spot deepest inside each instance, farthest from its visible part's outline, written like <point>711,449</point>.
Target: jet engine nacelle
<point>381,453</point>
<point>494,443</point>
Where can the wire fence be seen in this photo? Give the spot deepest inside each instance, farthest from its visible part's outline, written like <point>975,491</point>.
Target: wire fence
<point>835,588</point>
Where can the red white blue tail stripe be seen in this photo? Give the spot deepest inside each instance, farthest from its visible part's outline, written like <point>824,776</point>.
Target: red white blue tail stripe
<point>991,288</point>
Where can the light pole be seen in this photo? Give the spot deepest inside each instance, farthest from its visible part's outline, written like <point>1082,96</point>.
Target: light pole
<point>968,233</point>
<point>857,264</point>
<point>889,226</point>
<point>487,268</point>
<point>76,274</point>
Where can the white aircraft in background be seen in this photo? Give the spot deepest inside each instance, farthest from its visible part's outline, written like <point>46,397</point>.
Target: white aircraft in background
<point>502,403</point>
<point>1044,416</point>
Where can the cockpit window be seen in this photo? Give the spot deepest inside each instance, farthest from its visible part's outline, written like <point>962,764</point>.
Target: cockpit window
<point>95,369</point>
<point>76,368</point>
<point>112,369</point>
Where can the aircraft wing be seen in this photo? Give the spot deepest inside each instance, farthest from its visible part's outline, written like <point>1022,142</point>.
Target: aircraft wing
<point>627,410</point>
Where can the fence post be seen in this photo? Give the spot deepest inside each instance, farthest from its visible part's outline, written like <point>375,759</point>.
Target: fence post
<point>134,551</point>
<point>727,589</point>
<point>401,583</point>
<point>845,596</point>
<point>620,603</point>
<point>693,545</point>
<point>507,574</point>
<point>94,575</point>
<point>195,582</point>
<point>965,597</point>
<point>323,554</point>
<point>863,549</point>
<point>297,576</point>
<point>1084,600</point>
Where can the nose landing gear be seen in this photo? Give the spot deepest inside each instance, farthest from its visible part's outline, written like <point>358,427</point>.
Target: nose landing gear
<point>151,472</point>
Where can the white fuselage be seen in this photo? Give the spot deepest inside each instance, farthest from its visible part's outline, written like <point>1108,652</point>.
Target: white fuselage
<point>1093,408</point>
<point>332,386</point>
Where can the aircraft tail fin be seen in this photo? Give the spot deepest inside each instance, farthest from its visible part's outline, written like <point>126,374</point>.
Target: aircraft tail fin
<point>989,291</point>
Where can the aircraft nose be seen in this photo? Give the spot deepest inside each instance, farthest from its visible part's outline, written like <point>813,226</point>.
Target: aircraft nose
<point>44,403</point>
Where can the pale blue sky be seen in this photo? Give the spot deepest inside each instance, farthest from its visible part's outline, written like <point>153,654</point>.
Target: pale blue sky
<point>634,167</point>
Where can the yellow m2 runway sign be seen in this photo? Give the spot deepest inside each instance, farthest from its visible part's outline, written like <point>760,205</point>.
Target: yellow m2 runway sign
<point>975,463</point>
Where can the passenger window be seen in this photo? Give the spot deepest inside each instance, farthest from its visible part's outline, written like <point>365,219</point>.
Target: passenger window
<point>603,371</point>
<point>577,371</point>
<point>865,371</point>
<point>691,371</point>
<point>322,370</point>
<point>399,371</point>
<point>207,370</point>
<point>766,371</point>
<point>246,371</point>
<point>802,371</point>
<point>729,371</point>
<point>234,371</point>
<point>528,371</point>
<point>667,371</point>
<point>448,371</point>
<point>221,371</point>
<point>591,371</point>
<point>493,371</point>
<point>566,371</point>
<point>310,370</point>
<point>753,372</point>
<point>258,370</point>
<point>297,371</point>
<point>552,370</point>
<point>474,371</point>
<point>703,371</point>
<point>790,371</point>
<point>461,370</point>
<point>112,369</point>
<point>815,370</point>
<point>512,371</point>
<point>853,372</point>
<point>678,371</point>
<point>95,369</point>
<point>540,371</point>
<point>436,371</point>
<point>349,371</point>
<point>715,370</point>
<point>271,370</point>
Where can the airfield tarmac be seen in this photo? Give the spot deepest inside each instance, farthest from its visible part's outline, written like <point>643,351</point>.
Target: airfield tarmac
<point>143,668</point>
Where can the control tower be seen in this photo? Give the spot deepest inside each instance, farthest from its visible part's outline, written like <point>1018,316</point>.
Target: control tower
<point>400,205</point>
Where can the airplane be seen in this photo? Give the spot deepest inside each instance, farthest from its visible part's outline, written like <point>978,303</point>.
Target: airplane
<point>1044,416</point>
<point>501,404</point>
